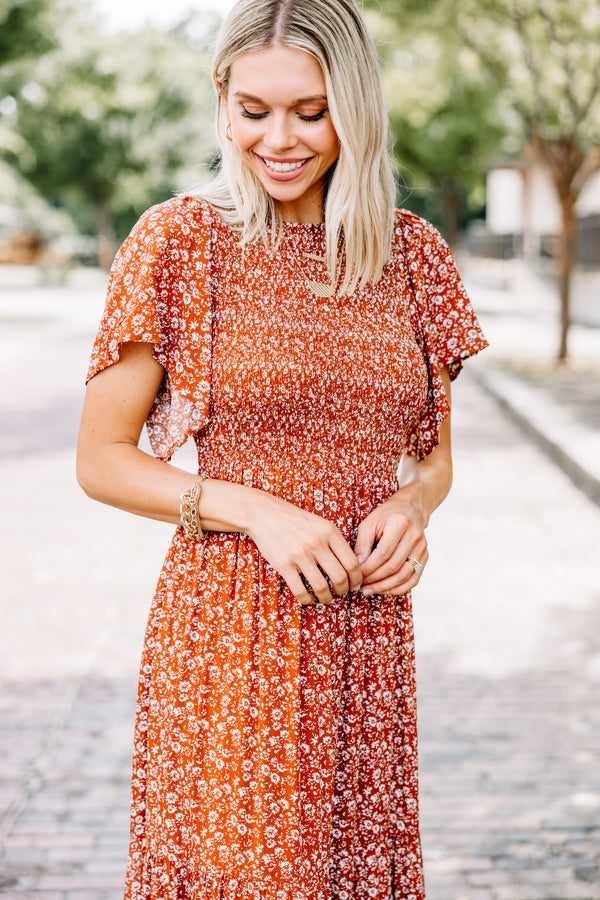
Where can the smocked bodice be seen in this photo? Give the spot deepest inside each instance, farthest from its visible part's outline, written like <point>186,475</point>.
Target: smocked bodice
<point>265,372</point>
<point>302,384</point>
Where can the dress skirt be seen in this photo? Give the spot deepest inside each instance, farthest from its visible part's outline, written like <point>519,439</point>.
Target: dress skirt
<point>276,745</point>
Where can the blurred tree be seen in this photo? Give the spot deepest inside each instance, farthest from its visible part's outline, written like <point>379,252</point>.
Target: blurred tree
<point>542,59</point>
<point>25,29</point>
<point>445,121</point>
<point>26,32</point>
<point>546,56</point>
<point>108,121</point>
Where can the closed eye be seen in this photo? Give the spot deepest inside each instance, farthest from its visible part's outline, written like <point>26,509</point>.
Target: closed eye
<point>251,115</point>
<point>261,115</point>
<point>314,118</point>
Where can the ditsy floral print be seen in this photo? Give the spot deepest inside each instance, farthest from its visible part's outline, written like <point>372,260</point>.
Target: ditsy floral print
<point>276,747</point>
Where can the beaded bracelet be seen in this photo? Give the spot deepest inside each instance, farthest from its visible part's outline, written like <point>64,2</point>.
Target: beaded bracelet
<point>189,504</point>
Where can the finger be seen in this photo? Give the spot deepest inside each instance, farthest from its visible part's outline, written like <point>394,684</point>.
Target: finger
<point>400,536</point>
<point>365,538</point>
<point>348,559</point>
<point>318,583</point>
<point>337,576</point>
<point>387,569</point>
<point>401,582</point>
<point>392,586</point>
<point>298,588</point>
<point>398,560</point>
<point>390,541</point>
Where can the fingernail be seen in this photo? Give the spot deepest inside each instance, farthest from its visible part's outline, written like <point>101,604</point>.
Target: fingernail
<point>368,592</point>
<point>361,558</point>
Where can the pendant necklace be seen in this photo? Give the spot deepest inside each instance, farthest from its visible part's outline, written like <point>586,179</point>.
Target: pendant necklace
<point>319,288</point>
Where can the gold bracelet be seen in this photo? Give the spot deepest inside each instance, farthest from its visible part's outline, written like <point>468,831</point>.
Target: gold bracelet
<point>189,510</point>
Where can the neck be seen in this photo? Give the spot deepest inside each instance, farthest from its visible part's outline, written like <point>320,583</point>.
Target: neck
<point>307,211</point>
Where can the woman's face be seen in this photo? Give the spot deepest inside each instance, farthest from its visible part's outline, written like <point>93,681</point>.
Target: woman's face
<point>280,125</point>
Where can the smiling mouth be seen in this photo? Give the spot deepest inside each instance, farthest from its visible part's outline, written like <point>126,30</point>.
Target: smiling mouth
<point>283,166</point>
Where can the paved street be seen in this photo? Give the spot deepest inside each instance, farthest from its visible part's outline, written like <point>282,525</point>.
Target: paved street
<point>507,622</point>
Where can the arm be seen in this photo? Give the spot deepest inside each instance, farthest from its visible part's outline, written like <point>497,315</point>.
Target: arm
<point>112,468</point>
<point>395,530</point>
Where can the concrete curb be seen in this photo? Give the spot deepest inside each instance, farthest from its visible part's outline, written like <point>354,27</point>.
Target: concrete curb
<point>572,446</point>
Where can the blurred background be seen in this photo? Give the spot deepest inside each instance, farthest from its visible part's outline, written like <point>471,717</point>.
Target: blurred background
<point>105,109</point>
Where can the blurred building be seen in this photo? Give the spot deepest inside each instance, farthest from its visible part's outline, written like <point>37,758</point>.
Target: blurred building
<point>523,220</point>
<point>522,203</point>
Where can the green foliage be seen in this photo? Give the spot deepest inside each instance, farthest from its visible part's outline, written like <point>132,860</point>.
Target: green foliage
<point>444,113</point>
<point>25,29</point>
<point>470,80</point>
<point>540,61</point>
<point>105,125</point>
<point>544,55</point>
<point>448,145</point>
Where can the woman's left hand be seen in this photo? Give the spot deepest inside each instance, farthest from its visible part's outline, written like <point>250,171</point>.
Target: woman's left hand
<point>386,538</point>
<point>395,530</point>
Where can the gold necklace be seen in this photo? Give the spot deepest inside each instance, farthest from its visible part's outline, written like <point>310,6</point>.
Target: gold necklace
<point>319,288</point>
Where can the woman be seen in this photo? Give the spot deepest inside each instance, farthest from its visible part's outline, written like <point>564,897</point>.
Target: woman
<point>305,333</point>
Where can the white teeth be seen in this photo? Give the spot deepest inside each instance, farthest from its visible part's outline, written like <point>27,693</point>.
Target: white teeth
<point>282,167</point>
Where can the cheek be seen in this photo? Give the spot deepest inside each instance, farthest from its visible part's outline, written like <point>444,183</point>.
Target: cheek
<point>245,134</point>
<point>329,142</point>
<point>332,150</point>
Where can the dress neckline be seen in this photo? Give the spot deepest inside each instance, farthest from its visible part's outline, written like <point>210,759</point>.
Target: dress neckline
<point>296,226</point>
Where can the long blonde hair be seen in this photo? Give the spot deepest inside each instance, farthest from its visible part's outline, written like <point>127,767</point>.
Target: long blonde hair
<point>360,194</point>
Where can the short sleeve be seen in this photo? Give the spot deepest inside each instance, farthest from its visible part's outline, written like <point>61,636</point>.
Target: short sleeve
<point>443,319</point>
<point>159,293</point>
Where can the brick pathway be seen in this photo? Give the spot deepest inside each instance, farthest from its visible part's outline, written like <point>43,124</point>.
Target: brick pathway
<point>67,829</point>
<point>507,629</point>
<point>508,660</point>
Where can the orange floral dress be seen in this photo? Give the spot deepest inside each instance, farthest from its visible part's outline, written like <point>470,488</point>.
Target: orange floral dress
<point>276,746</point>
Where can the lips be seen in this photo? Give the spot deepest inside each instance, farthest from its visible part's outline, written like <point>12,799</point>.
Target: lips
<point>283,170</point>
<point>283,166</point>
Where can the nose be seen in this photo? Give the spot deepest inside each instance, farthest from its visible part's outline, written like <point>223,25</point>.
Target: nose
<point>280,135</point>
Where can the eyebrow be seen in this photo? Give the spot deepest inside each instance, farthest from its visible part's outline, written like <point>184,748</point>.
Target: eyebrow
<point>243,96</point>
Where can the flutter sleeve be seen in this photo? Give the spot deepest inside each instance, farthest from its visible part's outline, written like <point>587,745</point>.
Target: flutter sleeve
<point>443,319</point>
<point>159,293</point>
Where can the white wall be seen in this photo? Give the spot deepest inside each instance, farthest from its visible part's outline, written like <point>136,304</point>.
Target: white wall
<point>523,200</point>
<point>589,200</point>
<point>541,208</point>
<point>504,201</point>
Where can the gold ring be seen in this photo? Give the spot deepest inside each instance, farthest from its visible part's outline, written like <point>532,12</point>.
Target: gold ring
<point>417,566</point>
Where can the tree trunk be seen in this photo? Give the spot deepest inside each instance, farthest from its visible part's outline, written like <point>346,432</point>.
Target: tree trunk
<point>106,234</point>
<point>567,259</point>
<point>569,168</point>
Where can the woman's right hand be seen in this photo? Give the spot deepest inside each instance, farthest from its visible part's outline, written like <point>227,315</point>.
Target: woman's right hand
<point>304,548</point>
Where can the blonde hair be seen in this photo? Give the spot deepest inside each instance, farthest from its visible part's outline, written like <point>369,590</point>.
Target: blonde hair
<point>360,193</point>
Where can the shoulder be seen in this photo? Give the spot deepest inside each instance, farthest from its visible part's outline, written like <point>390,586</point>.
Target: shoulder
<point>419,243</point>
<point>179,216</point>
<point>413,233</point>
<point>178,225</point>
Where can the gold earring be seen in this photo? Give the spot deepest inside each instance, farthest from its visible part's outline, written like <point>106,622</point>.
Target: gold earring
<point>228,133</point>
